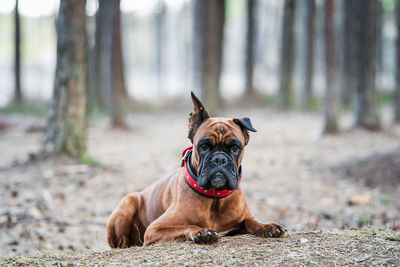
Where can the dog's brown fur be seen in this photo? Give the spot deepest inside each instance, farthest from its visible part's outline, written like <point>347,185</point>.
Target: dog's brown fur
<point>170,210</point>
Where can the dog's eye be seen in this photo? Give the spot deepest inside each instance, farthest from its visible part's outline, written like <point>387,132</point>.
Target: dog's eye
<point>203,147</point>
<point>235,149</point>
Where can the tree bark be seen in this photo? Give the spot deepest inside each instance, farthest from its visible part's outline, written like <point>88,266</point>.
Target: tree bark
<point>330,100</point>
<point>160,43</point>
<point>365,108</point>
<point>93,101</point>
<point>308,57</point>
<point>348,53</point>
<point>287,54</point>
<point>118,78</point>
<point>198,29</point>
<point>209,31</point>
<point>17,57</point>
<point>110,70</point>
<point>103,47</point>
<point>66,126</point>
<point>396,95</point>
<point>379,39</point>
<point>250,46</point>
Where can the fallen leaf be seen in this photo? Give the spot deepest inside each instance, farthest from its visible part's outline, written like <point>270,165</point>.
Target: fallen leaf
<point>359,200</point>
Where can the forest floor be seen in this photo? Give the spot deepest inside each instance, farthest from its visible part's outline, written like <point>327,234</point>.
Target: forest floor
<point>368,247</point>
<point>292,175</point>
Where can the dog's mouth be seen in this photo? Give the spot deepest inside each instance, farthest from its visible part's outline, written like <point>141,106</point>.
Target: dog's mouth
<point>218,181</point>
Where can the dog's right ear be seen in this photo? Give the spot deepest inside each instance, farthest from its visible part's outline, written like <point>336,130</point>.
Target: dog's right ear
<point>197,117</point>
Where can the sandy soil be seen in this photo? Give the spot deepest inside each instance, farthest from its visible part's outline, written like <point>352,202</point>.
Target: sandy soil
<point>291,176</point>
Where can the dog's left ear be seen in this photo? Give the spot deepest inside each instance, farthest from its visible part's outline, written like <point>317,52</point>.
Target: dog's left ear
<point>197,117</point>
<point>246,126</point>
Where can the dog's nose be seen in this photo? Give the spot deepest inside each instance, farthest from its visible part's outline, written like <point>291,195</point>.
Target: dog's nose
<point>219,159</point>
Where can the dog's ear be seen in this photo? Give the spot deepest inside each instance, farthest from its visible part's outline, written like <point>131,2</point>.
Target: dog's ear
<point>197,117</point>
<point>246,126</point>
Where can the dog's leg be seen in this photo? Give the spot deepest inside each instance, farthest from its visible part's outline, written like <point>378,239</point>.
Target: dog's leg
<point>169,228</point>
<point>253,227</point>
<point>124,228</point>
<point>164,233</point>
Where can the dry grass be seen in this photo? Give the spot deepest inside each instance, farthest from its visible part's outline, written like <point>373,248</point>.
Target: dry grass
<point>350,247</point>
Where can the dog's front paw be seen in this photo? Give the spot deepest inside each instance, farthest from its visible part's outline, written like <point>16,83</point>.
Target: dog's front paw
<point>205,237</point>
<point>271,230</point>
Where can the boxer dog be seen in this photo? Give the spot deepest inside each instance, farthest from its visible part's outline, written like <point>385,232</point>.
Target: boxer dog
<point>199,200</point>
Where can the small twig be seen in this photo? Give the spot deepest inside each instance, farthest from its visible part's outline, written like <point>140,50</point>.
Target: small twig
<point>139,234</point>
<point>364,259</point>
<point>393,239</point>
<point>34,245</point>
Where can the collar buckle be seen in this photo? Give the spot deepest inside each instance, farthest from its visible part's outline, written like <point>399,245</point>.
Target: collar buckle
<point>185,154</point>
<point>184,157</point>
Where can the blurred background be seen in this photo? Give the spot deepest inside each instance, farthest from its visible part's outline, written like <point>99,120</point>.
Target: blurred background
<point>160,38</point>
<point>95,96</point>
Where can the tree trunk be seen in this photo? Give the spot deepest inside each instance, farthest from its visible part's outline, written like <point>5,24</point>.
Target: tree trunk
<point>330,100</point>
<point>250,46</point>
<point>93,99</point>
<point>348,53</point>
<point>308,57</point>
<point>118,79</point>
<point>198,29</point>
<point>160,43</point>
<point>287,54</point>
<point>396,96</point>
<point>110,70</point>
<point>66,126</point>
<point>379,41</point>
<point>365,58</point>
<point>209,31</point>
<point>103,47</point>
<point>17,58</point>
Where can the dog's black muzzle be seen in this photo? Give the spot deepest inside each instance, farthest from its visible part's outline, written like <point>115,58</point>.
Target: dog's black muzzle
<point>218,171</point>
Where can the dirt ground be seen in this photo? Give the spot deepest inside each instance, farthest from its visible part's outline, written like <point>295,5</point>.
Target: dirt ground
<point>319,248</point>
<point>290,175</point>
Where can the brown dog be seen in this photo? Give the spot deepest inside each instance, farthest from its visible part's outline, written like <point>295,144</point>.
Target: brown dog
<point>198,200</point>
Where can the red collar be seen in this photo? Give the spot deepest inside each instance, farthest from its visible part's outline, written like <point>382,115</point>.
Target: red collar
<point>191,181</point>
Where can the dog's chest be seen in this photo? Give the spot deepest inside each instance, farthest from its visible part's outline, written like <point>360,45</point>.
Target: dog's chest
<point>223,216</point>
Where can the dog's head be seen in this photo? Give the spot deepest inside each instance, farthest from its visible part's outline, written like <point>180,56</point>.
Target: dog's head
<point>218,147</point>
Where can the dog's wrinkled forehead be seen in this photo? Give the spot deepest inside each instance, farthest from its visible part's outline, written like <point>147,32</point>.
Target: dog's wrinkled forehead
<point>219,131</point>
